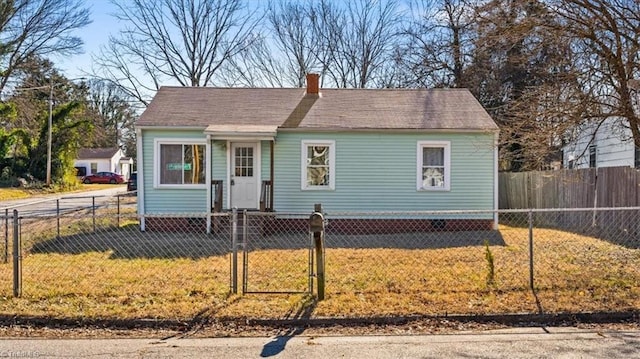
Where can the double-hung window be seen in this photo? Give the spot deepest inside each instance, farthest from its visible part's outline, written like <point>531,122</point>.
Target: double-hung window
<point>180,163</point>
<point>318,165</point>
<point>434,166</point>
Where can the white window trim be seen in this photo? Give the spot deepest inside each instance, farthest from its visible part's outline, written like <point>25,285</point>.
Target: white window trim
<point>447,165</point>
<point>332,165</point>
<point>156,161</point>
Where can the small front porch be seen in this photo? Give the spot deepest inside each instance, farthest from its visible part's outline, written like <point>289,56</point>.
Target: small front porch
<point>240,168</point>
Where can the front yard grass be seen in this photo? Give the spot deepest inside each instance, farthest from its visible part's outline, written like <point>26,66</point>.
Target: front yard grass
<point>112,280</point>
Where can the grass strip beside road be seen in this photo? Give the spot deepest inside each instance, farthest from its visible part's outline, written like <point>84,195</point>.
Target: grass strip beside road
<point>10,194</point>
<point>13,193</point>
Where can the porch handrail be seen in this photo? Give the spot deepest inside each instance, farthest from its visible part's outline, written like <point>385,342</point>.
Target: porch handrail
<point>266,196</point>
<point>216,193</point>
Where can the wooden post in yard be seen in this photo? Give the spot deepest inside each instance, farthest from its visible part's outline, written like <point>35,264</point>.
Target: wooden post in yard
<point>316,227</point>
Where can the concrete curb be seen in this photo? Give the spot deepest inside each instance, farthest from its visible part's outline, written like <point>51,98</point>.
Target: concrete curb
<point>515,320</point>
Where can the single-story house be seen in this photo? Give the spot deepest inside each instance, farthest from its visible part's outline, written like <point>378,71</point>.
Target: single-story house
<point>204,149</point>
<point>111,159</point>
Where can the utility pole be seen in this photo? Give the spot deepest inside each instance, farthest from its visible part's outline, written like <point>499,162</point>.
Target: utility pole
<point>50,133</point>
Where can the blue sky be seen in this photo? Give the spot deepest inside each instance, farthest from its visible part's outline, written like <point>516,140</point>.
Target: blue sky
<point>94,36</point>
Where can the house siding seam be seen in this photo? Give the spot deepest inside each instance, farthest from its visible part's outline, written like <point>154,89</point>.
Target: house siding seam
<point>363,184</point>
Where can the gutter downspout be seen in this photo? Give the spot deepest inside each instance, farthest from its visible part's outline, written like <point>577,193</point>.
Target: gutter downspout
<point>140,179</point>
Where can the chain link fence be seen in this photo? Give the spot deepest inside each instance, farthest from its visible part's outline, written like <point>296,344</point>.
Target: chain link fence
<point>97,260</point>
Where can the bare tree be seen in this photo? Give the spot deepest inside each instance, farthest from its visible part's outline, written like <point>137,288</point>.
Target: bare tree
<point>526,76</point>
<point>282,59</point>
<point>42,28</point>
<point>438,42</point>
<point>114,115</point>
<point>180,41</point>
<point>255,66</point>
<point>357,41</point>
<point>292,27</point>
<point>352,45</point>
<point>605,35</point>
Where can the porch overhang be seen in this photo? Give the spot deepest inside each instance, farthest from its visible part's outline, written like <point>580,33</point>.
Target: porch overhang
<point>237,132</point>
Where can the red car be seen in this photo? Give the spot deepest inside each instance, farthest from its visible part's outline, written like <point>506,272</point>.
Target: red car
<point>103,177</point>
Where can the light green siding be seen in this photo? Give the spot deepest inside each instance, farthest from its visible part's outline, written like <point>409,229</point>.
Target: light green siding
<point>265,154</point>
<point>219,166</point>
<point>374,171</point>
<point>378,171</point>
<point>169,200</point>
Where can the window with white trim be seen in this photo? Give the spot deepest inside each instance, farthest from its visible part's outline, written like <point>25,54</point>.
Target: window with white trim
<point>180,163</point>
<point>434,166</point>
<point>318,165</point>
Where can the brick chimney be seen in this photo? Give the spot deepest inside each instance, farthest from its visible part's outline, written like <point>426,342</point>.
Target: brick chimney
<point>313,84</point>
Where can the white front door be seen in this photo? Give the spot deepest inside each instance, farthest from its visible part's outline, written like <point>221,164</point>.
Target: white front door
<point>244,175</point>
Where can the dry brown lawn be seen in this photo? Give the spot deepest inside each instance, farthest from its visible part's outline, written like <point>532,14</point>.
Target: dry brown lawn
<point>112,279</point>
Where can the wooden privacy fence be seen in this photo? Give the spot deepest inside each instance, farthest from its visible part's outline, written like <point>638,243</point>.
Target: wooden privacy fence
<point>589,189</point>
<point>571,188</point>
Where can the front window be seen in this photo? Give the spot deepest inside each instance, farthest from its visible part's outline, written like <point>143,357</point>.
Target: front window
<point>181,164</point>
<point>433,165</point>
<point>94,167</point>
<point>318,165</point>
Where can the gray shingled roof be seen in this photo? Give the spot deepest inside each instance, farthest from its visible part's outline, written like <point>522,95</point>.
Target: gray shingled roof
<point>200,107</point>
<point>91,153</point>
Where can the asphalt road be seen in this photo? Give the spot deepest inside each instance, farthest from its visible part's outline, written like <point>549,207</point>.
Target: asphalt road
<point>510,343</point>
<point>47,205</point>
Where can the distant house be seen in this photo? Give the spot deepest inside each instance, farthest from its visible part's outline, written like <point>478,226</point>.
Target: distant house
<point>608,144</point>
<point>203,149</point>
<point>93,160</point>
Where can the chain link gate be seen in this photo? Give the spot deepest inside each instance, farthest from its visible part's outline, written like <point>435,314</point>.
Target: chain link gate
<point>277,253</point>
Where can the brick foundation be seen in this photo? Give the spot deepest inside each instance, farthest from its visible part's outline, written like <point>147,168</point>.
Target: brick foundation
<point>355,226</point>
<point>350,226</point>
<point>176,224</point>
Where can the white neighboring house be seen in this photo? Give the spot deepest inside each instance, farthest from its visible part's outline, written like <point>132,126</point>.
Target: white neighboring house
<point>95,160</point>
<point>609,145</point>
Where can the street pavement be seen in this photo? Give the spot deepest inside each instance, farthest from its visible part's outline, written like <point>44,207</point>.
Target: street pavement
<point>46,204</point>
<point>510,343</point>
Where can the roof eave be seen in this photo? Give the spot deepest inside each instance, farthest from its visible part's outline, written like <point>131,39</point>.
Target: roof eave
<point>165,127</point>
<point>402,130</point>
